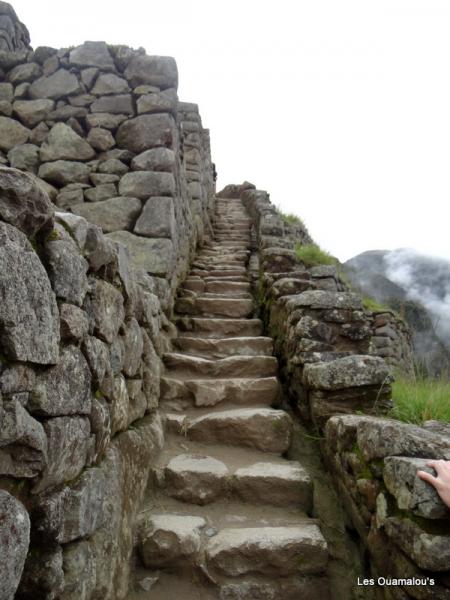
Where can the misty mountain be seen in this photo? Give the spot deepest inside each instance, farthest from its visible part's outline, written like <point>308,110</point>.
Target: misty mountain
<point>418,287</point>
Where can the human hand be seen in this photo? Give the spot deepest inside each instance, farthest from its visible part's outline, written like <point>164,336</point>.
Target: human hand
<point>441,482</point>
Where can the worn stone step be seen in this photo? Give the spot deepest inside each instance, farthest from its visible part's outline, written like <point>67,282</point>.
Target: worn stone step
<point>220,328</point>
<point>275,551</point>
<point>218,272</point>
<point>202,479</point>
<point>221,348</point>
<point>215,307</point>
<point>265,429</point>
<point>227,279</point>
<point>264,391</point>
<point>231,366</point>
<point>231,295</point>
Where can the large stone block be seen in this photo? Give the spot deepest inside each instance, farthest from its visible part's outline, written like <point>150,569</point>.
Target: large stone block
<point>33,112</point>
<point>23,444</point>
<point>75,511</point>
<point>24,203</point>
<point>25,157</point>
<point>92,54</point>
<point>63,143</point>
<point>59,84</point>
<point>155,256</point>
<point>347,372</point>
<point>411,492</point>
<point>106,308</point>
<point>122,104</point>
<point>165,101</point>
<point>146,184</point>
<point>155,159</point>
<point>64,389</point>
<point>68,446</point>
<point>29,319</point>
<point>158,71</point>
<point>320,299</point>
<point>79,571</point>
<point>108,83</point>
<point>14,542</point>
<point>147,131</point>
<point>64,172</point>
<point>157,219</point>
<point>12,133</point>
<point>115,214</point>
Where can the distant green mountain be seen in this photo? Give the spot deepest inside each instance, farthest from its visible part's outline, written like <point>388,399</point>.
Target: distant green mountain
<point>418,287</point>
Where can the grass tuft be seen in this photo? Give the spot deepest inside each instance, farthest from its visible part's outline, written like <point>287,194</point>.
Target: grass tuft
<point>419,400</point>
<point>375,306</point>
<point>312,255</point>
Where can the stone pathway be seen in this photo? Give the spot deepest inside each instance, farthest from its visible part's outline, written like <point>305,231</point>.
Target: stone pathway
<point>227,516</point>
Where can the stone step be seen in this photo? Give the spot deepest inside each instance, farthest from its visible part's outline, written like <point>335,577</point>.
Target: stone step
<point>180,394</point>
<point>218,286</point>
<point>227,279</point>
<point>202,479</point>
<point>221,348</point>
<point>220,328</point>
<point>219,272</point>
<point>231,366</point>
<point>265,429</point>
<point>272,551</point>
<point>215,307</point>
<point>231,295</point>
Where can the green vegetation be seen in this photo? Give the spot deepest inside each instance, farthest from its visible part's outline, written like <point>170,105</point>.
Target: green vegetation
<point>374,306</point>
<point>312,255</point>
<point>421,399</point>
<point>290,218</point>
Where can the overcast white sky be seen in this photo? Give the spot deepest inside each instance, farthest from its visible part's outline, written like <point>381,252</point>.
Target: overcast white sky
<point>339,108</point>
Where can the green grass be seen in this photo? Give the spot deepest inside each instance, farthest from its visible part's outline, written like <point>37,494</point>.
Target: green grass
<point>374,306</point>
<point>418,400</point>
<point>312,255</point>
<point>290,218</point>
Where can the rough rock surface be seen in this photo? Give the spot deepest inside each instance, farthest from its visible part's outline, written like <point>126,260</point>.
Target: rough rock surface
<point>14,541</point>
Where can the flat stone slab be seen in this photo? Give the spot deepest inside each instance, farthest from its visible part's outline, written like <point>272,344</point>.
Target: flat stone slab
<point>210,392</point>
<point>196,479</point>
<point>276,551</point>
<point>215,307</point>
<point>231,366</point>
<point>219,328</point>
<point>221,348</point>
<point>266,429</point>
<point>274,483</point>
<point>168,540</point>
<point>347,372</point>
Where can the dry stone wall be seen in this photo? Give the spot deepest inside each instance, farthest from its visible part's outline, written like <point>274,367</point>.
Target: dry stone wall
<point>329,348</point>
<point>106,189</point>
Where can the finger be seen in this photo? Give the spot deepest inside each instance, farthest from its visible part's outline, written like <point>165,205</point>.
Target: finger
<point>428,477</point>
<point>441,467</point>
<point>433,463</point>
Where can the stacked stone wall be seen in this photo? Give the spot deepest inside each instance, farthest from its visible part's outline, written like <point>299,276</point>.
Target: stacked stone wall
<point>106,190</point>
<point>332,352</point>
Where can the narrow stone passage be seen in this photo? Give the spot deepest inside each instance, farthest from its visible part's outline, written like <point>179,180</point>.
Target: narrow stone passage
<point>227,517</point>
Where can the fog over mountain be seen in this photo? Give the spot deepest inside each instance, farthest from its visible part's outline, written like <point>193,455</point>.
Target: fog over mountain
<point>416,285</point>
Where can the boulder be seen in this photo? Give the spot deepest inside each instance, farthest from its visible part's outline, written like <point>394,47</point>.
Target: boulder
<point>157,219</point>
<point>74,323</point>
<point>79,565</point>
<point>105,120</point>
<point>155,256</point>
<point>12,133</point>
<point>147,131</point>
<point>320,299</point>
<point>101,192</point>
<point>168,540</point>
<point>14,542</point>
<point>92,54</point>
<point>101,139</point>
<point>165,101</point>
<point>63,143</point>
<point>59,84</point>
<point>27,72</point>
<point>114,214</point>
<point>29,320</point>
<point>146,184</point>
<point>158,71</point>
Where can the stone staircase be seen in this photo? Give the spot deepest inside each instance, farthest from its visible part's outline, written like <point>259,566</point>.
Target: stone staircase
<point>227,515</point>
